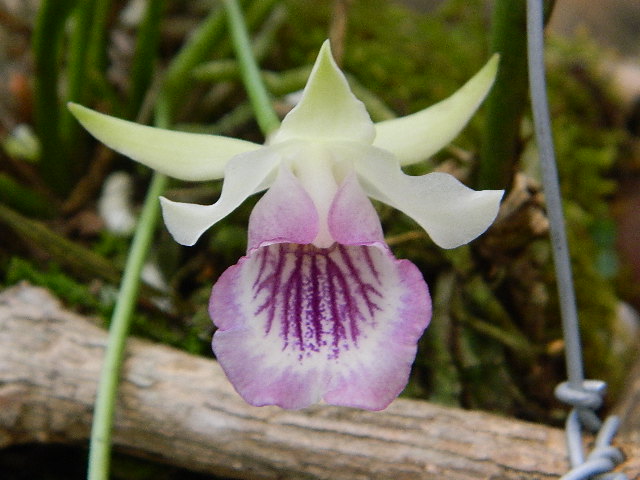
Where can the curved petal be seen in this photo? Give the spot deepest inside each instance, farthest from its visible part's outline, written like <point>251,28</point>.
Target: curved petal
<point>285,213</point>
<point>451,213</point>
<point>420,135</point>
<point>352,218</point>
<point>297,324</point>
<point>245,175</point>
<point>182,155</point>
<point>328,109</point>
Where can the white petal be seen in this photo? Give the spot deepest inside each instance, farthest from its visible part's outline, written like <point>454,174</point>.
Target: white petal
<point>182,155</point>
<point>451,213</point>
<point>245,175</point>
<point>420,135</point>
<point>328,109</point>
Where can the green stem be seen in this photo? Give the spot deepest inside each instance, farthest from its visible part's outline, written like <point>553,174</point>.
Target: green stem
<point>24,200</point>
<point>446,385</point>
<point>506,102</point>
<point>376,107</point>
<point>200,45</point>
<point>143,60</point>
<point>77,68</point>
<point>505,105</point>
<point>99,456</point>
<point>54,164</point>
<point>264,38</point>
<point>177,77</point>
<point>267,118</point>
<point>78,49</point>
<point>96,52</point>
<point>282,83</point>
<point>195,51</point>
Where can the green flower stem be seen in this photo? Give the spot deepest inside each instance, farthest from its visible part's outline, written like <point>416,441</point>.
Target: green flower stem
<point>200,45</point>
<point>54,164</point>
<point>100,453</point>
<point>267,118</point>
<point>177,78</point>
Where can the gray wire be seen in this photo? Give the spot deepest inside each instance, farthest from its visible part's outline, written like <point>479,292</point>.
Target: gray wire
<point>537,84</point>
<point>584,395</point>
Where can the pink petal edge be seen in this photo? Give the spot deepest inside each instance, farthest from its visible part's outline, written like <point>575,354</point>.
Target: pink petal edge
<point>369,372</point>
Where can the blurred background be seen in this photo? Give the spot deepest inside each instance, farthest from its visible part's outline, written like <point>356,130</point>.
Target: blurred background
<point>68,206</point>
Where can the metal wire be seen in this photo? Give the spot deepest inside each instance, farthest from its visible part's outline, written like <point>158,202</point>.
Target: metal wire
<point>585,396</point>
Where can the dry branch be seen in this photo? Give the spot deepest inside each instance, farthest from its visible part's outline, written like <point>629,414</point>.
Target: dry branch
<point>179,409</point>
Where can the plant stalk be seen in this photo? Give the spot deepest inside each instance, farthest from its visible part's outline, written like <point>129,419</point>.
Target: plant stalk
<point>260,99</point>
<point>201,44</point>
<point>144,58</point>
<point>100,452</point>
<point>55,166</point>
<point>508,97</point>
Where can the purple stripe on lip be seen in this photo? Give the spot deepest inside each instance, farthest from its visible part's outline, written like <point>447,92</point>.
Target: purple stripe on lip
<point>320,296</point>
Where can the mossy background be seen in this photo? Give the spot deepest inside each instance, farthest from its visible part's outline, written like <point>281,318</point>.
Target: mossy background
<point>495,341</point>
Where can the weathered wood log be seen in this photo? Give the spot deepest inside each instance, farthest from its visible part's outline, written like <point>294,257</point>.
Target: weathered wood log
<point>180,409</point>
<point>629,407</point>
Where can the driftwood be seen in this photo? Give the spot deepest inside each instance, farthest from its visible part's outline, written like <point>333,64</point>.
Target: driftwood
<point>180,409</point>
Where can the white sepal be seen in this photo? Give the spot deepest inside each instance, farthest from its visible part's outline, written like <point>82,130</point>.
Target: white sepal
<point>181,155</point>
<point>418,136</point>
<point>327,110</point>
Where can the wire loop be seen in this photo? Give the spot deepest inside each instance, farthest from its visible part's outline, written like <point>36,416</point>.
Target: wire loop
<point>603,457</point>
<point>590,395</point>
<point>585,396</point>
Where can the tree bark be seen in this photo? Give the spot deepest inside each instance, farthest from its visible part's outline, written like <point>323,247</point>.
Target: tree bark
<point>180,409</point>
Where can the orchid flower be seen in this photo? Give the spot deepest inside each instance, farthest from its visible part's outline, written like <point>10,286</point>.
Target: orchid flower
<point>319,308</point>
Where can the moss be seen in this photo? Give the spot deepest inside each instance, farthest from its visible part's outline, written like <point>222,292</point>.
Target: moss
<point>64,286</point>
<point>589,139</point>
<point>476,356</point>
<point>412,61</point>
<point>99,299</point>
